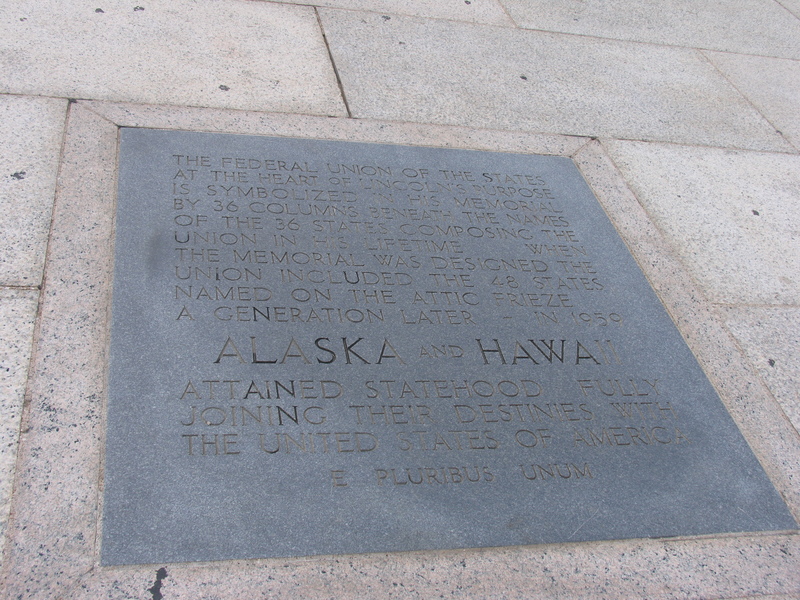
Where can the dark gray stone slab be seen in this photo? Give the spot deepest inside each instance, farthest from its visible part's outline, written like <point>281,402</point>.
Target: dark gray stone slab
<point>327,347</point>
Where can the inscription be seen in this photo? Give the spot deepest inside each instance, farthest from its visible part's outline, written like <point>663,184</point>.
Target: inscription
<point>338,347</point>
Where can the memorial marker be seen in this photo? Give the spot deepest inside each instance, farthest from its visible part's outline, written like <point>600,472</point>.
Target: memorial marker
<point>329,347</point>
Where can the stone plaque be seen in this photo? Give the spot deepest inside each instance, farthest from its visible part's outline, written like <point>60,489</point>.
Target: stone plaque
<point>328,347</point>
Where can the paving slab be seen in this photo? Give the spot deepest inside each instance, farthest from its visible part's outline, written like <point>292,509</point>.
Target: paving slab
<point>17,315</point>
<point>771,84</point>
<point>770,337</point>
<point>490,12</point>
<point>731,216</point>
<point>31,131</point>
<point>462,74</point>
<point>231,54</point>
<point>761,27</point>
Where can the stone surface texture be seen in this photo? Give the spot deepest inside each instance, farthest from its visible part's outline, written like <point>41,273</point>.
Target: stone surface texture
<point>490,12</point>
<point>733,217</point>
<point>411,69</point>
<point>770,337</point>
<point>747,26</point>
<point>31,131</point>
<point>17,314</point>
<point>681,116</point>
<point>232,54</point>
<point>771,84</point>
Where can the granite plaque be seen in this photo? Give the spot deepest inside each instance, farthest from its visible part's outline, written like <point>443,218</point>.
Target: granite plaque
<point>327,347</point>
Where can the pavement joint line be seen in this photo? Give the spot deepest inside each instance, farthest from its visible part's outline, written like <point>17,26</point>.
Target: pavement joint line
<point>26,95</point>
<point>90,106</point>
<point>757,373</point>
<point>42,287</point>
<point>533,29</point>
<point>704,54</point>
<point>609,138</point>
<point>92,103</point>
<point>466,128</point>
<point>99,498</point>
<point>79,579</point>
<point>757,305</point>
<point>96,106</point>
<point>787,9</point>
<point>589,137</point>
<point>744,53</point>
<point>14,286</point>
<point>508,14</point>
<point>551,32</point>
<point>333,64</point>
<point>673,256</point>
<point>584,145</point>
<point>646,43</point>
<point>177,107</point>
<point>56,192</point>
<point>409,15</point>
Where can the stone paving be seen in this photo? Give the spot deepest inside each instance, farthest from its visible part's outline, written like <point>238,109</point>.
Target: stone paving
<point>683,116</point>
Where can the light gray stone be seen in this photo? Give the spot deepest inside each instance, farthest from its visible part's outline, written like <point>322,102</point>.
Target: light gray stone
<point>748,26</point>
<point>739,568</point>
<point>31,131</point>
<point>731,216</point>
<point>490,12</point>
<point>462,74</point>
<point>770,337</point>
<point>772,84</point>
<point>356,130</point>
<point>791,5</point>
<point>17,315</point>
<point>243,55</point>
